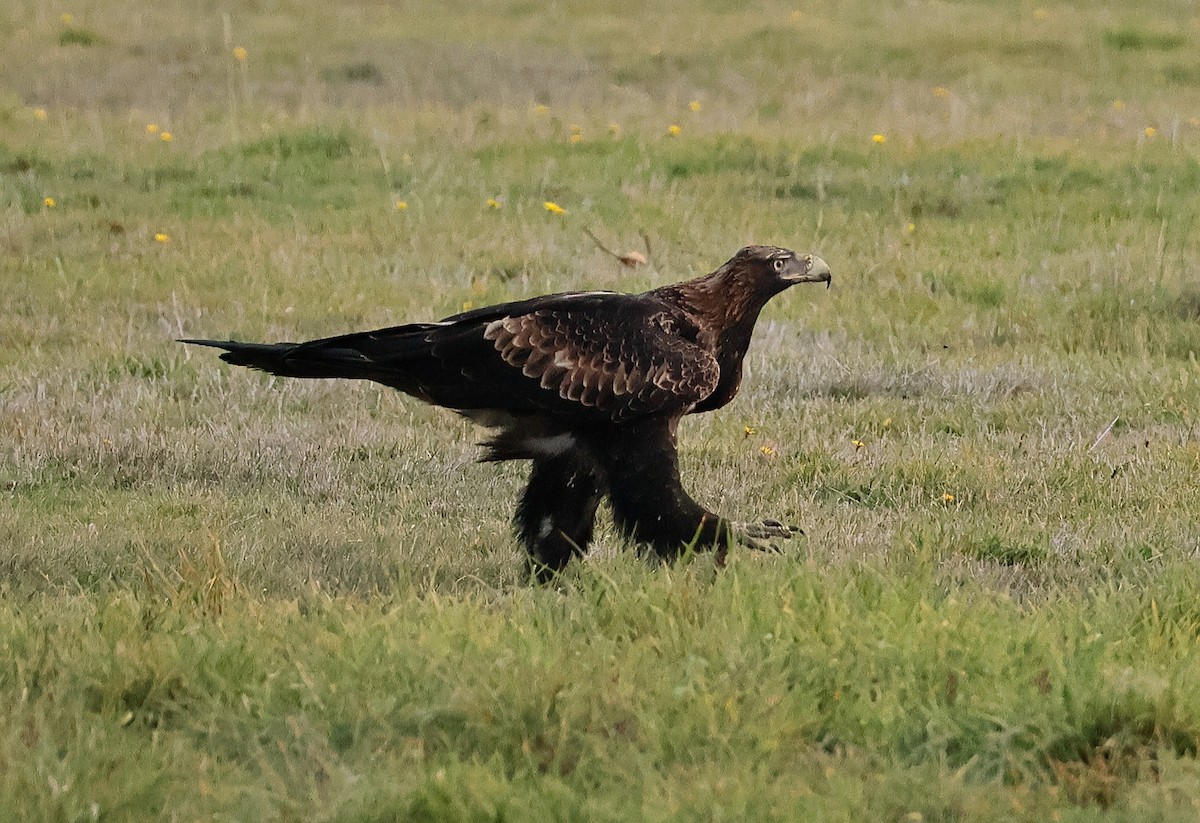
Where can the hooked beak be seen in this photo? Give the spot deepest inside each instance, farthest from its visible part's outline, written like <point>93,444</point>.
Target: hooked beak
<point>814,270</point>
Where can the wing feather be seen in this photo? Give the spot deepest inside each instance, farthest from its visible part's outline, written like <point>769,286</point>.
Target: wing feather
<point>623,360</point>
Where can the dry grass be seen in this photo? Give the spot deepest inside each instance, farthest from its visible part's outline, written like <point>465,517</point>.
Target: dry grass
<point>227,596</point>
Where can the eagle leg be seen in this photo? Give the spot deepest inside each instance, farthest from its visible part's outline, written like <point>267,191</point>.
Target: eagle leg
<point>557,512</point>
<point>649,502</point>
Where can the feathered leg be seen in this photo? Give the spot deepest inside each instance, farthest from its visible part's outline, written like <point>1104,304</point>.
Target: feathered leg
<point>649,503</point>
<point>651,506</point>
<point>557,512</point>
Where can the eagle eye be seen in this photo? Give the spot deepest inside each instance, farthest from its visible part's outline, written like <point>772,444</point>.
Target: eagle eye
<point>779,263</point>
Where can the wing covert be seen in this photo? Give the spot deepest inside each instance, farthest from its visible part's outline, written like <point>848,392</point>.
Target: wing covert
<point>623,360</point>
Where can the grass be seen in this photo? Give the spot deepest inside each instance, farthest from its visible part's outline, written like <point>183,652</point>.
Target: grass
<point>230,597</point>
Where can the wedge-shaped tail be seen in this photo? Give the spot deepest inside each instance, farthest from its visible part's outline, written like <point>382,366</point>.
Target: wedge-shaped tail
<point>375,355</point>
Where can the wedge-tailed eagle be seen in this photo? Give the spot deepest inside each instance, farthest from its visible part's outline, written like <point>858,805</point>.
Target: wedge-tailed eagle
<point>590,386</point>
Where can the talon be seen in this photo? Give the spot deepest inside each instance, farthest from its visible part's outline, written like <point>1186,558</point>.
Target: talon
<point>761,536</point>
<point>784,530</point>
<point>769,528</point>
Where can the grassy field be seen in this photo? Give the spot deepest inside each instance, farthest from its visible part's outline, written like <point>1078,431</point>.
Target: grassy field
<point>229,597</point>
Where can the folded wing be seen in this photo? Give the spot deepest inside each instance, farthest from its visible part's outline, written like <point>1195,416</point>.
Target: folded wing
<point>592,355</point>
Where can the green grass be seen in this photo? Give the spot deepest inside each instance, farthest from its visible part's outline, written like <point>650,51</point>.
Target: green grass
<point>227,597</point>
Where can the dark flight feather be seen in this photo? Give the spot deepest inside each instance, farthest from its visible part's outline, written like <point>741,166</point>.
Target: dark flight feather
<point>589,385</point>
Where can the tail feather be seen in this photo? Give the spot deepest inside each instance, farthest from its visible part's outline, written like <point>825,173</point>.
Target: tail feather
<point>273,358</point>
<point>422,359</point>
<point>351,356</point>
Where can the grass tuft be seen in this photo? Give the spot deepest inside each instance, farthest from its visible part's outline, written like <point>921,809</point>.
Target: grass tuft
<point>78,36</point>
<point>1132,38</point>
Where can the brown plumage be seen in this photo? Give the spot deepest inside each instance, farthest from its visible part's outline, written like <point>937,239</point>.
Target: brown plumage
<point>590,386</point>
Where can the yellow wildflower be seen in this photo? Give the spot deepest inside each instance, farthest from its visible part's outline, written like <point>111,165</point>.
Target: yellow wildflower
<point>49,202</point>
<point>66,18</point>
<point>887,422</point>
<point>162,237</point>
<point>767,450</point>
<point>858,444</point>
<point>941,91</point>
<point>576,128</point>
<point>553,207</point>
<point>493,203</point>
<point>910,228</point>
<point>747,430</point>
<point>614,129</point>
<point>674,130</point>
<point>947,497</point>
<point>879,139</point>
<point>796,16</point>
<point>40,114</point>
<point>1150,131</point>
<point>694,105</point>
<point>541,108</point>
<point>401,205</point>
<point>467,305</point>
<point>166,136</point>
<point>575,139</point>
<point>240,53</point>
<point>152,128</point>
<point>1118,105</point>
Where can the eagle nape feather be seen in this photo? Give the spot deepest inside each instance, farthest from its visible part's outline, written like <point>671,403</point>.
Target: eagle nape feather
<point>589,386</point>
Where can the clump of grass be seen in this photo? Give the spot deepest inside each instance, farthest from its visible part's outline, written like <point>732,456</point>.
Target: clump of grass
<point>1009,552</point>
<point>1133,38</point>
<point>362,71</point>
<point>306,145</point>
<point>79,36</point>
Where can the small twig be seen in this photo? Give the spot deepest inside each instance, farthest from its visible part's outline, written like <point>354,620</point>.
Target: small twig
<point>1104,433</point>
<point>632,259</point>
<point>387,167</point>
<point>602,247</point>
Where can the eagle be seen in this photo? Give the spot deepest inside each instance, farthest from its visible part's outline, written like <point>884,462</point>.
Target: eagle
<point>590,386</point>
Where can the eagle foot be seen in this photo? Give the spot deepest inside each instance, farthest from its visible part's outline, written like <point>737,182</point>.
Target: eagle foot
<point>760,536</point>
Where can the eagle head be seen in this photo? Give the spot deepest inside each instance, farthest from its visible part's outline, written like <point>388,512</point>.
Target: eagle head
<point>777,269</point>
